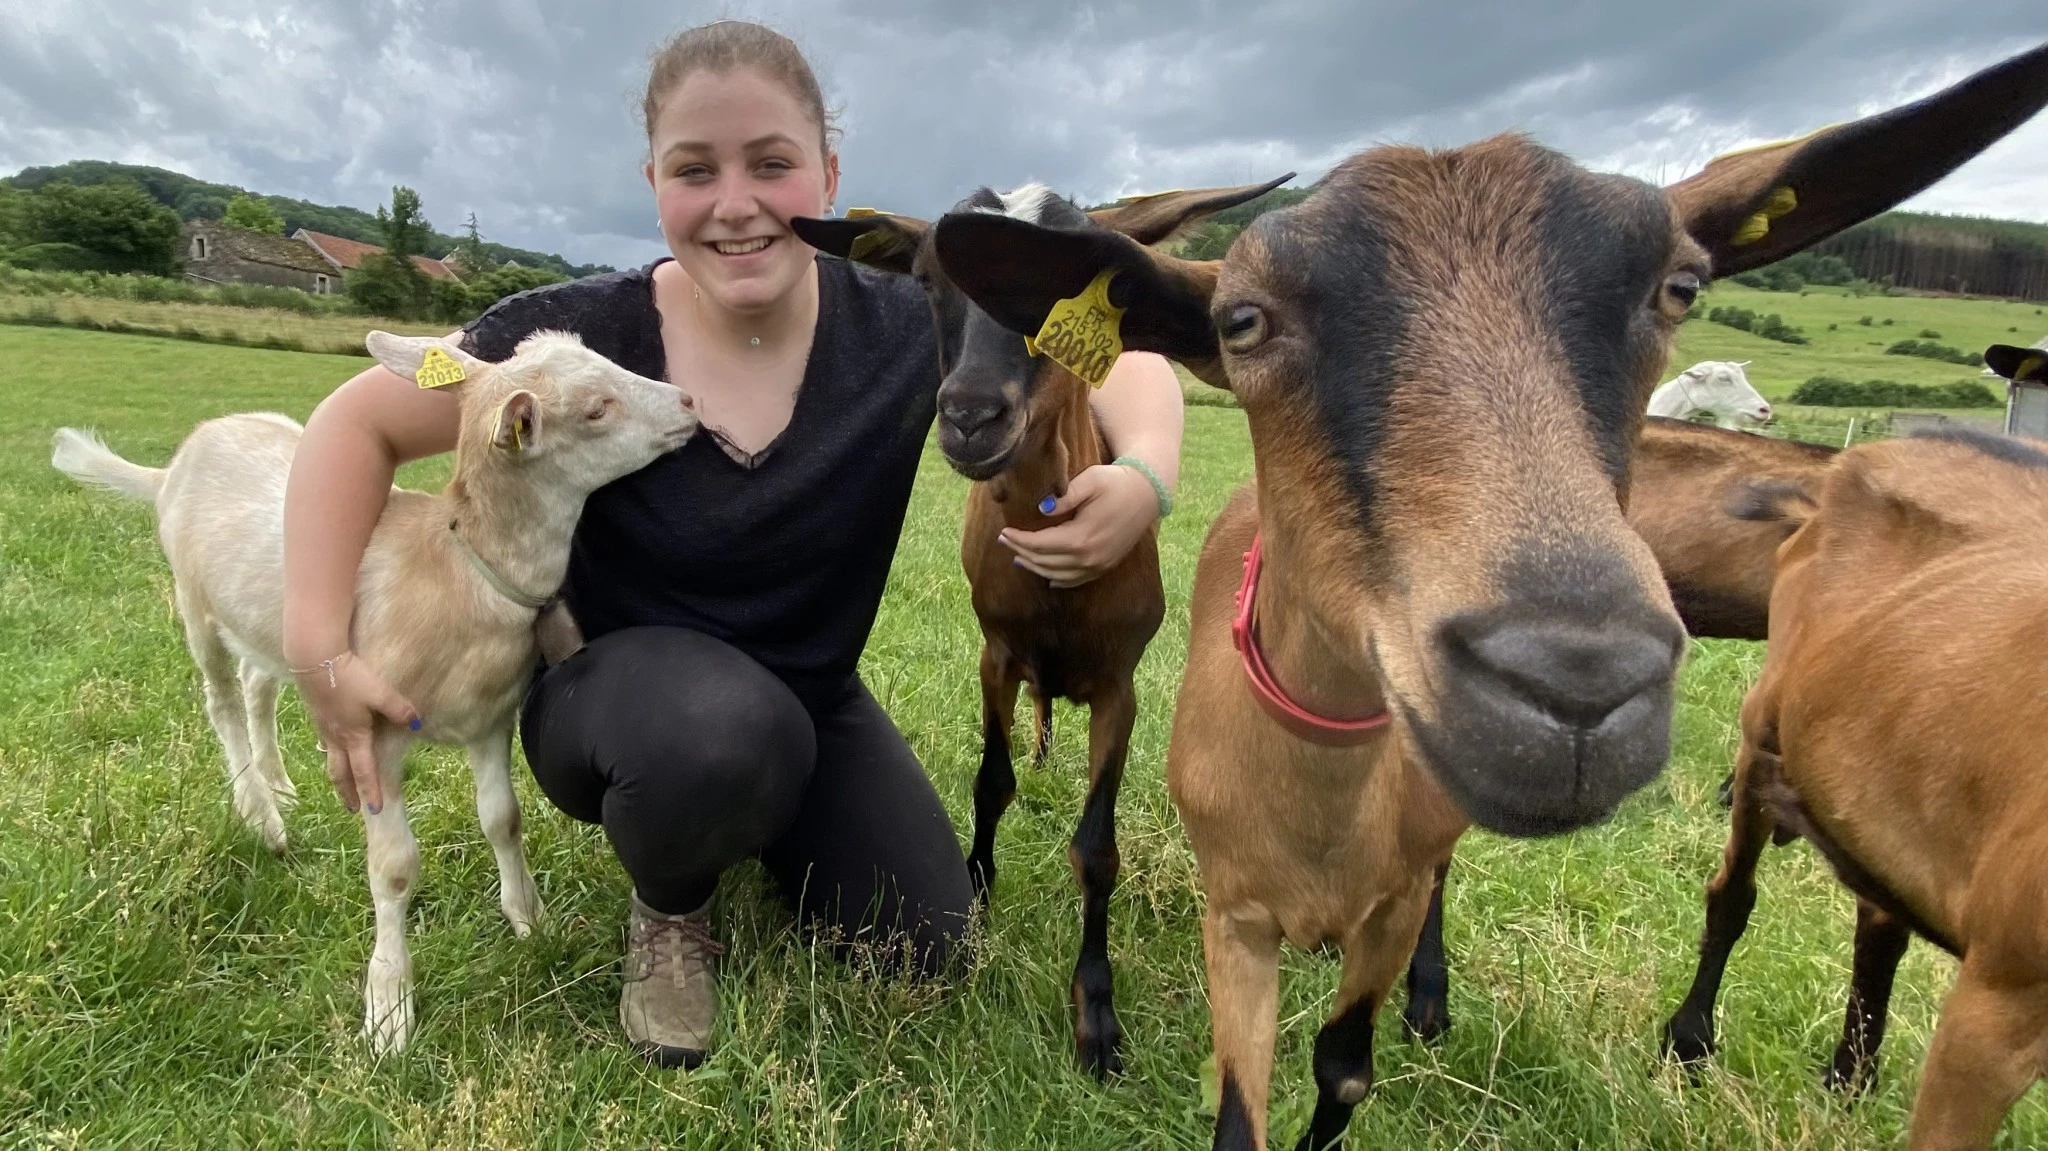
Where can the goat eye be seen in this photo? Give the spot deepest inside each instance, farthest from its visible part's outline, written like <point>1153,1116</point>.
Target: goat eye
<point>1684,287</point>
<point>598,411</point>
<point>1244,327</point>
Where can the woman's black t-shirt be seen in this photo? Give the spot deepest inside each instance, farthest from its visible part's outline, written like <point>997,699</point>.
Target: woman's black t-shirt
<point>786,559</point>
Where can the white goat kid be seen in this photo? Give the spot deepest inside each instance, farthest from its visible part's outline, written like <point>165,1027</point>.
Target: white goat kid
<point>445,598</point>
<point>1720,388</point>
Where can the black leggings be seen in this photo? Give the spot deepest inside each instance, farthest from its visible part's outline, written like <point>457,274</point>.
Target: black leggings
<point>694,757</point>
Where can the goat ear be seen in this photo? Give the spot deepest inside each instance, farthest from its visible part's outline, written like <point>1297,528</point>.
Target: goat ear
<point>1150,219</point>
<point>879,241</point>
<point>1755,206</point>
<point>404,354</point>
<point>2022,365</point>
<point>1016,271</point>
<point>517,423</point>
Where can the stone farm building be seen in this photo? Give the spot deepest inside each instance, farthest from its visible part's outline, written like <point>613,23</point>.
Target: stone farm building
<point>309,261</point>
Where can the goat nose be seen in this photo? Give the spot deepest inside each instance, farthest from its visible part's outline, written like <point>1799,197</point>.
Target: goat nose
<point>689,402</point>
<point>969,416</point>
<point>1578,673</point>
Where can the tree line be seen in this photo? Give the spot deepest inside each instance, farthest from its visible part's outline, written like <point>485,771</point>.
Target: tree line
<point>1963,254</point>
<point>194,199</point>
<point>121,227</point>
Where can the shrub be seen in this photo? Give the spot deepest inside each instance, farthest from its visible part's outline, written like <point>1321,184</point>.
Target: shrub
<point>1933,351</point>
<point>1887,323</point>
<point>1865,321</point>
<point>1929,334</point>
<point>1834,392</point>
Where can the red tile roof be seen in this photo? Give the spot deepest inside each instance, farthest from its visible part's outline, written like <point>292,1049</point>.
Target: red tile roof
<point>345,253</point>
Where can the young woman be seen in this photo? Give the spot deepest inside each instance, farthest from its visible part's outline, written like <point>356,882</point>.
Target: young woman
<point>725,592</point>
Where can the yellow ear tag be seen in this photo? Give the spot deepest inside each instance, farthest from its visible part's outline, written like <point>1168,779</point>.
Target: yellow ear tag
<point>498,421</point>
<point>1083,333</point>
<point>1781,200</point>
<point>857,213</point>
<point>2030,366</point>
<point>438,369</point>
<point>867,242</point>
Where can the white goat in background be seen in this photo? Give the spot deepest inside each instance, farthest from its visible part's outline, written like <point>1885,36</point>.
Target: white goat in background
<point>1719,388</point>
<point>445,599</point>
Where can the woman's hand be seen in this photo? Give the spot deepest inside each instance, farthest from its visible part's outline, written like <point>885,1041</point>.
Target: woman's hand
<point>345,706</point>
<point>1111,506</point>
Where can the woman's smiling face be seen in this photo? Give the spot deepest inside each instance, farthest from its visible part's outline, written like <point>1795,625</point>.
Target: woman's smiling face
<point>734,156</point>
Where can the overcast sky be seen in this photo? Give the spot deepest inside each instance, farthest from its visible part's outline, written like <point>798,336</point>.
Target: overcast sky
<point>525,111</point>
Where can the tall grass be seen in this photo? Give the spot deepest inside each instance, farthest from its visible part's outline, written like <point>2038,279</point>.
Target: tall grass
<point>164,983</point>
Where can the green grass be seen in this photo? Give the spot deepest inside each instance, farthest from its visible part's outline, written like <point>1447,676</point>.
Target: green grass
<point>163,982</point>
<point>1852,351</point>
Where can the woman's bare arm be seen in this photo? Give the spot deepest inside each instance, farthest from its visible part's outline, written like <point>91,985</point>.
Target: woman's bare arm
<point>340,480</point>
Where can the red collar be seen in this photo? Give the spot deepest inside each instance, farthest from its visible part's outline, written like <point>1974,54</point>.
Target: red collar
<point>1271,696</point>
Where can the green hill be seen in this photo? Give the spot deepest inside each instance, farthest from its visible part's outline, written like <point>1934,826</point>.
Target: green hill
<point>1840,344</point>
<point>195,199</point>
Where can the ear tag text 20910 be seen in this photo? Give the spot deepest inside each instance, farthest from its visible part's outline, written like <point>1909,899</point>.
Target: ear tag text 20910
<point>1083,333</point>
<point>438,369</point>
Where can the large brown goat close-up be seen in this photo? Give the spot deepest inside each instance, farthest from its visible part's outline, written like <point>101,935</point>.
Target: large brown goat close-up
<point>1717,566</point>
<point>1429,609</point>
<point>1895,727</point>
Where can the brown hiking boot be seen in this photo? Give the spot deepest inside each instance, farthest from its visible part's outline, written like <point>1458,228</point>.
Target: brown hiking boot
<point>670,997</point>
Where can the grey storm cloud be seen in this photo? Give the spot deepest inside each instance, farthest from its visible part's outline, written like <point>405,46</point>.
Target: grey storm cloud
<point>527,113</point>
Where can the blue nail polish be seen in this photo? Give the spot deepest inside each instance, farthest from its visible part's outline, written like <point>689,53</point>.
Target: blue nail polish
<point>415,724</point>
<point>1046,505</point>
<point>375,808</point>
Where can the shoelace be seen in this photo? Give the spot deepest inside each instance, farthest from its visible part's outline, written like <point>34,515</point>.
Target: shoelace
<point>653,934</point>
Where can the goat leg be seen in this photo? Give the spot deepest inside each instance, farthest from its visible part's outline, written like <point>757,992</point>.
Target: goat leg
<point>1242,953</point>
<point>393,856</point>
<point>1428,1013</point>
<point>1343,1050</point>
<point>1731,894</point>
<point>227,710</point>
<point>497,810</point>
<point>1880,944</point>
<point>1092,852</point>
<point>1985,1054</point>
<point>259,696</point>
<point>995,783</point>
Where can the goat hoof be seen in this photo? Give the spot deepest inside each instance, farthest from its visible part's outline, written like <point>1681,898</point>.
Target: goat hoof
<point>522,907</point>
<point>982,873</point>
<point>1425,1022</point>
<point>1101,1047</point>
<point>1689,1042</point>
<point>387,1022</point>
<point>1848,1075</point>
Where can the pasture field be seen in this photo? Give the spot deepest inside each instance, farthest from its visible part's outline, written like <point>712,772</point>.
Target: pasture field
<point>231,325</point>
<point>165,983</point>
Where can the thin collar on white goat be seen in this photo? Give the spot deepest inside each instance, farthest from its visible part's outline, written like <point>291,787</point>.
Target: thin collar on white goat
<point>498,582</point>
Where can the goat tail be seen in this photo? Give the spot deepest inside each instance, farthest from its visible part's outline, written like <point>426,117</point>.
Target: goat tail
<point>86,458</point>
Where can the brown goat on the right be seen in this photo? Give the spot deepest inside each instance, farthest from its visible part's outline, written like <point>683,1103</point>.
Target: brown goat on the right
<point>1895,726</point>
<point>1717,567</point>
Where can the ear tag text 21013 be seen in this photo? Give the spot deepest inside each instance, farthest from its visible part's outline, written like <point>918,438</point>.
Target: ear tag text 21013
<point>1083,333</point>
<point>438,369</point>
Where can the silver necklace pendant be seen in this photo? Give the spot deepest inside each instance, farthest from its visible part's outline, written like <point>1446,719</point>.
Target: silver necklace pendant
<point>755,341</point>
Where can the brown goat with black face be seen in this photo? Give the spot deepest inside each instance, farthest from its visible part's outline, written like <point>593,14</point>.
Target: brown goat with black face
<point>1896,725</point>
<point>1021,427</point>
<point>1718,568</point>
<point>1444,359</point>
